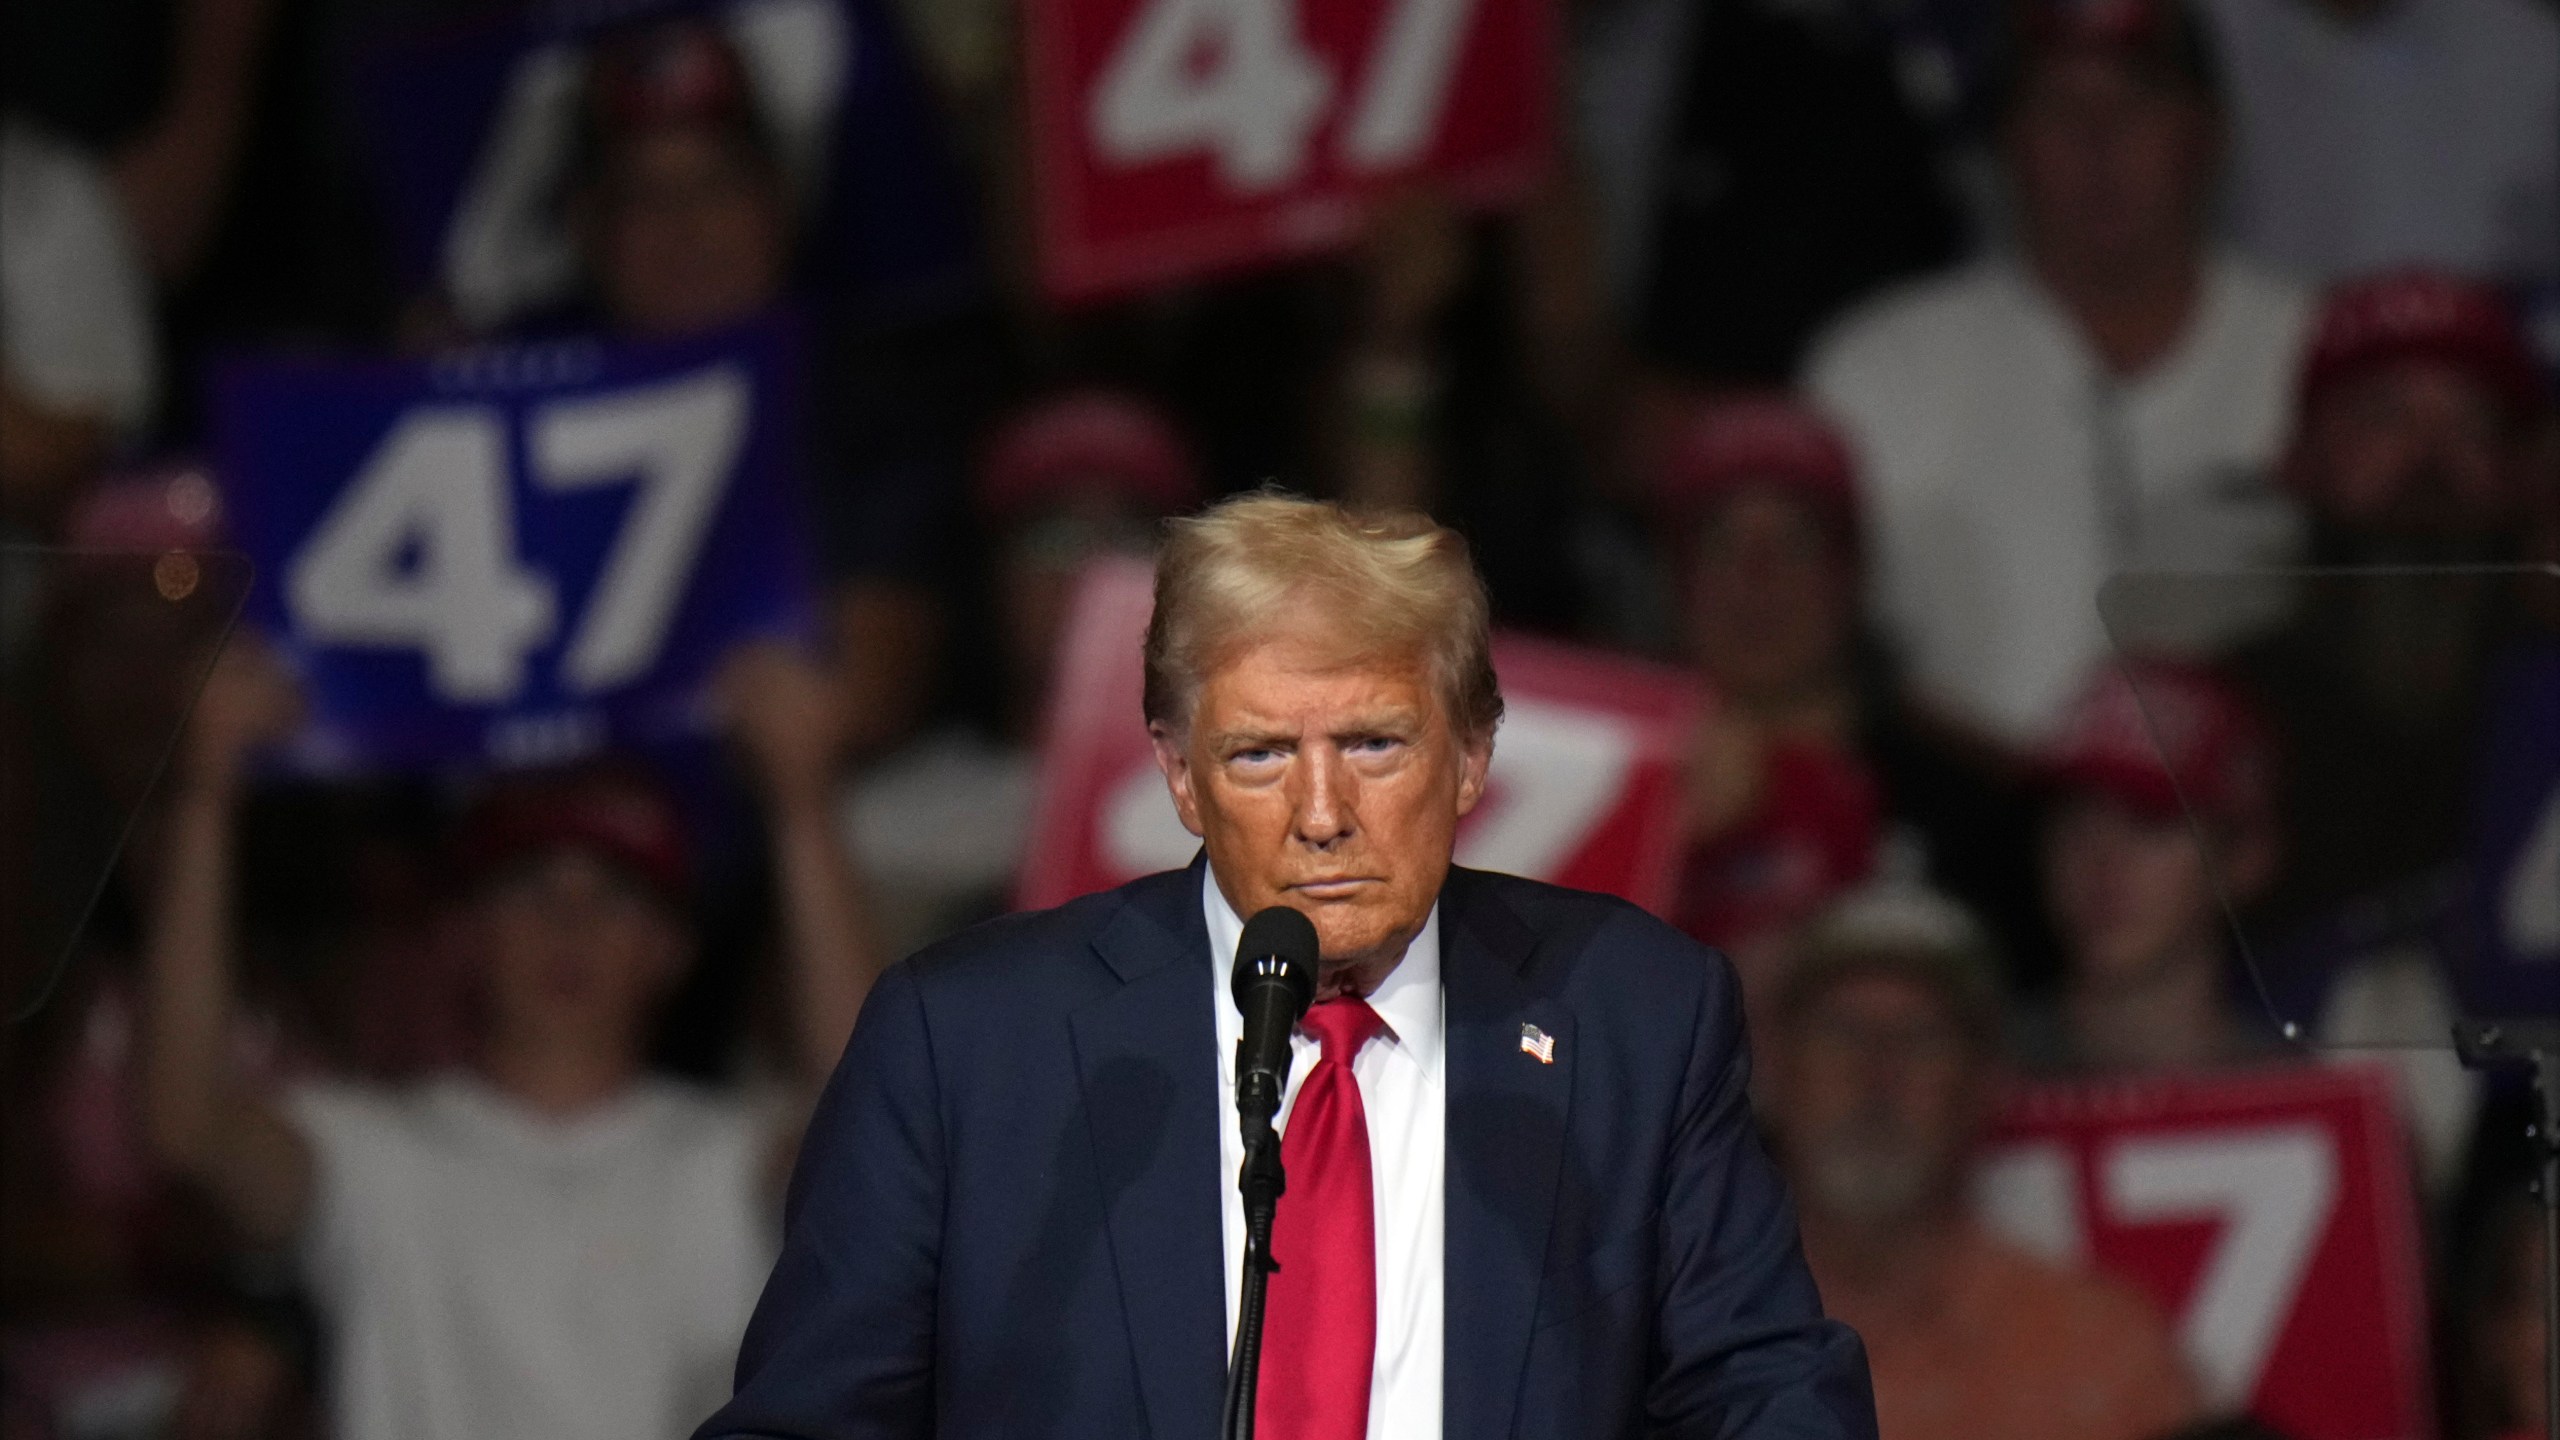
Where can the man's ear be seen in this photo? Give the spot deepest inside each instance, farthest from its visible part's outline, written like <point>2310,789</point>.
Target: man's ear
<point>1175,762</point>
<point>1475,762</point>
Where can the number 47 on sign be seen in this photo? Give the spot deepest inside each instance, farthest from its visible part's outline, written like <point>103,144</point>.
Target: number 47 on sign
<point>418,550</point>
<point>1178,136</point>
<point>464,553</point>
<point>1258,101</point>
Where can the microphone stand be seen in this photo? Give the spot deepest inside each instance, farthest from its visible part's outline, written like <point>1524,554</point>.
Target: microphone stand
<point>1262,1180</point>
<point>1274,982</point>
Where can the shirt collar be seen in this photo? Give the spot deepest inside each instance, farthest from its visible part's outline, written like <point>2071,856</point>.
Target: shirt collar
<point>1408,999</point>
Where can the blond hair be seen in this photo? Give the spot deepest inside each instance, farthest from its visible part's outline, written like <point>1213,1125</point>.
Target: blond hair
<point>1392,581</point>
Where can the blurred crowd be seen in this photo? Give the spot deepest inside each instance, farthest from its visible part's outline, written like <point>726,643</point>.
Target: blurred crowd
<point>1845,351</point>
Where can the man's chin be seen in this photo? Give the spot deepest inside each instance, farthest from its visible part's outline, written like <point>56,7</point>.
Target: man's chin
<point>1362,942</point>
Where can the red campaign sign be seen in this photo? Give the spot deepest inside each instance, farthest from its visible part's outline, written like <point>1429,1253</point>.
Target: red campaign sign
<point>1173,138</point>
<point>1586,786</point>
<point>2268,1212</point>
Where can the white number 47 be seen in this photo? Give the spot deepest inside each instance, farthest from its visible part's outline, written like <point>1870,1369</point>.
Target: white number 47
<point>1231,77</point>
<point>419,551</point>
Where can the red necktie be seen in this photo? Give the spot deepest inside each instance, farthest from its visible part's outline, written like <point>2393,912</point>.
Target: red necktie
<point>1320,1326</point>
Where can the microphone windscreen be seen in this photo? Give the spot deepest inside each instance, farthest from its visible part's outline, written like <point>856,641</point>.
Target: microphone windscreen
<point>1280,931</point>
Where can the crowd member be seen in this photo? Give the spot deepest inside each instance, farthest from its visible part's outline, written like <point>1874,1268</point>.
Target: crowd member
<point>1068,480</point>
<point>685,219</point>
<point>2368,134</point>
<point>549,1242</point>
<point>2137,889</point>
<point>1883,1064</point>
<point>682,204</point>
<point>2107,392</point>
<point>1071,479</point>
<point>79,356</point>
<point>1811,761</point>
<point>2163,828</point>
<point>2418,418</point>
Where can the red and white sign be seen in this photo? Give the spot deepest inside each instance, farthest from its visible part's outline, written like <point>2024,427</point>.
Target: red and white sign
<point>1177,137</point>
<point>2269,1213</point>
<point>1586,787</point>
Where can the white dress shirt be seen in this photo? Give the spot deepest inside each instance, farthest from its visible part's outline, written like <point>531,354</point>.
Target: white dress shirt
<point>1404,1090</point>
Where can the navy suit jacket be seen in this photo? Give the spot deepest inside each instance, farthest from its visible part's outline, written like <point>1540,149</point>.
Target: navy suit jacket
<point>1006,1216</point>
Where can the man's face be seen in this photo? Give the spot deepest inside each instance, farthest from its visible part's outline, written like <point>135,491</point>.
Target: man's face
<point>2414,449</point>
<point>1770,596</point>
<point>576,949</point>
<point>1878,1098</point>
<point>1332,786</point>
<point>2128,890</point>
<point>2112,167</point>
<point>690,232</point>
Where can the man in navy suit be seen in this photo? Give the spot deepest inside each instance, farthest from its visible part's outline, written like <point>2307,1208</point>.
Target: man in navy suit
<point>1525,1195</point>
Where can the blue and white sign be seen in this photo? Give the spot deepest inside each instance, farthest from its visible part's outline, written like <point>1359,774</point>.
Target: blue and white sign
<point>516,554</point>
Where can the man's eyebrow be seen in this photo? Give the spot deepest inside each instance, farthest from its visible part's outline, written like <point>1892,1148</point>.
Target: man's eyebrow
<point>1397,721</point>
<point>1251,736</point>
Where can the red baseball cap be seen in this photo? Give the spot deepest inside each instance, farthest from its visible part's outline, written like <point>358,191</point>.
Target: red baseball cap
<point>667,72</point>
<point>2420,314</point>
<point>1088,442</point>
<point>2146,731</point>
<point>612,809</point>
<point>1731,444</point>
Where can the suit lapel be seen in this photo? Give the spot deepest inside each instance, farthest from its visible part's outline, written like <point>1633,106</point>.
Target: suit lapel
<point>1146,1057</point>
<point>1506,1125</point>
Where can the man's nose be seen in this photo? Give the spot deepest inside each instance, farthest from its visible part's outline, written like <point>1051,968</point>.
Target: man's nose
<point>1323,815</point>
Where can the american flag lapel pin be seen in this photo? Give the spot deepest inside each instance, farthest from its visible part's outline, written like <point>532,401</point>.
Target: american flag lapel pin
<point>1538,1043</point>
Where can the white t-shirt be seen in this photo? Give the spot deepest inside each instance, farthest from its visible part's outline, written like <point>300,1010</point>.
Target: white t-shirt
<point>492,1273</point>
<point>2008,474</point>
<point>75,307</point>
<point>2426,133</point>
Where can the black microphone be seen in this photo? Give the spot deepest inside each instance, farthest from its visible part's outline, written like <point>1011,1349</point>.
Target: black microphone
<point>1275,982</point>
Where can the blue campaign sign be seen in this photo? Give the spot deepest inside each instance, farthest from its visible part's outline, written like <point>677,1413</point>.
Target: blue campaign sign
<point>2515,849</point>
<point>516,554</point>
<point>471,128</point>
